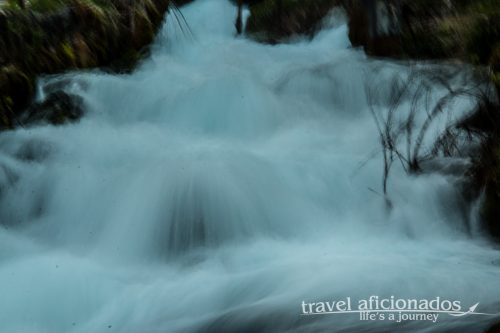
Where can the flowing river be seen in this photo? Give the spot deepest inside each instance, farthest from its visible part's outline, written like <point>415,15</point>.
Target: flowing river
<point>223,184</point>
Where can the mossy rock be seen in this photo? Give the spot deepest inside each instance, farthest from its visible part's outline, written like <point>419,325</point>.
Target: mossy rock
<point>483,37</point>
<point>358,21</point>
<point>428,29</point>
<point>485,168</point>
<point>16,92</point>
<point>58,108</point>
<point>273,21</point>
<point>494,328</point>
<point>491,207</point>
<point>54,36</point>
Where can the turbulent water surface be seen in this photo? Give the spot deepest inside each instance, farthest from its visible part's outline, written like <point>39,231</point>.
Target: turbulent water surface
<point>222,184</point>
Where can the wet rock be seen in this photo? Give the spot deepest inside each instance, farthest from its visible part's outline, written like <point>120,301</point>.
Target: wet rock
<point>495,67</point>
<point>58,108</point>
<point>273,21</point>
<point>495,328</point>
<point>16,92</point>
<point>71,35</point>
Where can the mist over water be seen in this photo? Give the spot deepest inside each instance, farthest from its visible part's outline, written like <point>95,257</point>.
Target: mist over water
<point>219,186</point>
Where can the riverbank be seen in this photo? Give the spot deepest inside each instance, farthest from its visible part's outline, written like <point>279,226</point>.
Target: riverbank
<point>47,37</point>
<point>458,31</point>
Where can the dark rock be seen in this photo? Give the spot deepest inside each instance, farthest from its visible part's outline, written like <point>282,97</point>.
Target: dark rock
<point>495,67</point>
<point>53,41</point>
<point>16,92</point>
<point>375,25</point>
<point>77,34</point>
<point>180,3</point>
<point>495,58</point>
<point>495,328</point>
<point>58,108</point>
<point>273,21</point>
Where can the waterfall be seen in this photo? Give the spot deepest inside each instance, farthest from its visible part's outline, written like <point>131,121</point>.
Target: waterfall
<point>223,183</point>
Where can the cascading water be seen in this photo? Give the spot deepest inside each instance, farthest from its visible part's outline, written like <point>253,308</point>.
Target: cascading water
<point>219,186</point>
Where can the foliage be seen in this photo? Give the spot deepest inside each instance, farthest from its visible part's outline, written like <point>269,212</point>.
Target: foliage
<point>52,36</point>
<point>401,137</point>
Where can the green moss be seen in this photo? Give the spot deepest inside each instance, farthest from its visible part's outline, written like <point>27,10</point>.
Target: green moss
<point>495,60</point>
<point>44,6</point>
<point>103,33</point>
<point>47,6</point>
<point>16,91</point>
<point>6,110</point>
<point>482,38</point>
<point>67,50</point>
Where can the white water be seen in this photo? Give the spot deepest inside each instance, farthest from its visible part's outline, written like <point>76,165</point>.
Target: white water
<point>219,186</point>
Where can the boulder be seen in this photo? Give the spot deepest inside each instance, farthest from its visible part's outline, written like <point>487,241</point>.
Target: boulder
<point>274,21</point>
<point>54,37</point>
<point>58,108</point>
<point>495,328</point>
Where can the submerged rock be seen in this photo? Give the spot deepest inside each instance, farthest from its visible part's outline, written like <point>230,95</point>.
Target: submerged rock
<point>58,108</point>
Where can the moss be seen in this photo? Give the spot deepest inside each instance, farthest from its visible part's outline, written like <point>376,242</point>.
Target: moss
<point>436,29</point>
<point>482,38</point>
<point>495,67</point>
<point>58,108</point>
<point>16,91</point>
<point>44,6</point>
<point>53,36</point>
<point>6,107</point>
<point>49,6</point>
<point>68,51</point>
<point>483,48</point>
